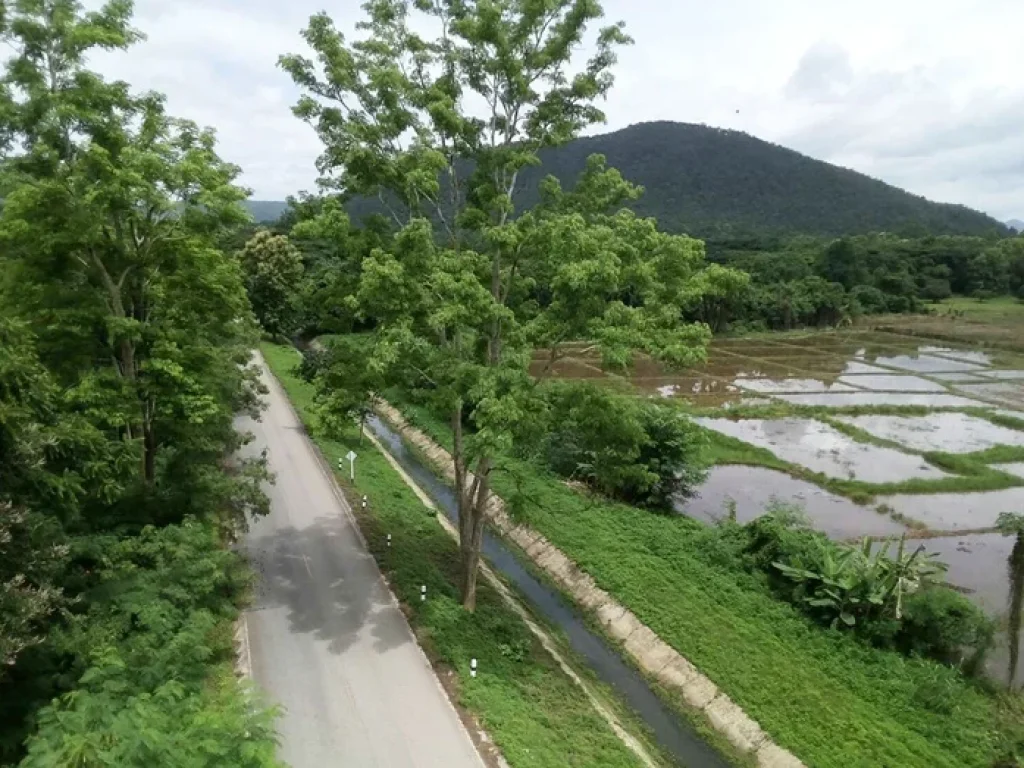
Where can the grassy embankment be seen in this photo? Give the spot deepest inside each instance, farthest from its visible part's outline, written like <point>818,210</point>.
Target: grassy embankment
<point>830,699</point>
<point>535,714</point>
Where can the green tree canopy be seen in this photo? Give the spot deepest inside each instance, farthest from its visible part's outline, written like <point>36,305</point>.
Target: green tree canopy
<point>440,130</point>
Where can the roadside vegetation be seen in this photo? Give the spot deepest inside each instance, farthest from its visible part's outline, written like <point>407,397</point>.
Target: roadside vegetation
<point>125,333</point>
<point>533,711</point>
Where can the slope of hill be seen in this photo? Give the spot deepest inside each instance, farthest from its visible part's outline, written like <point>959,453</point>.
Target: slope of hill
<point>710,182</point>
<point>703,179</point>
<point>1016,224</point>
<point>266,210</point>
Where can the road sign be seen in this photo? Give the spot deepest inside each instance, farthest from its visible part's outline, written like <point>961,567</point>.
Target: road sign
<point>351,456</point>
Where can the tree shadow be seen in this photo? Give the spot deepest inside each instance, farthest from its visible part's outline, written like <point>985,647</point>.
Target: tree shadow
<point>327,581</point>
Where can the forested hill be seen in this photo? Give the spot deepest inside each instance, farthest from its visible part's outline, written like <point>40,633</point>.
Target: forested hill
<point>705,180</point>
<point>710,181</point>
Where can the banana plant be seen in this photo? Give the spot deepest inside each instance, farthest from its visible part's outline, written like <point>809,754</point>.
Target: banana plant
<point>849,581</point>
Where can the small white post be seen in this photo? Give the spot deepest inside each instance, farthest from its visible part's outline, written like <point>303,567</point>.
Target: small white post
<point>472,667</point>
<point>364,501</point>
<point>423,593</point>
<point>389,541</point>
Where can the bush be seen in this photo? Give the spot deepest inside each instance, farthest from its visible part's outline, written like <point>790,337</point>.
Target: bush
<point>871,300</point>
<point>636,451</point>
<point>842,585</point>
<point>944,625</point>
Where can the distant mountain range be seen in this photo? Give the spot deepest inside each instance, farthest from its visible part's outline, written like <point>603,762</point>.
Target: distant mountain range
<point>711,181</point>
<point>1016,224</point>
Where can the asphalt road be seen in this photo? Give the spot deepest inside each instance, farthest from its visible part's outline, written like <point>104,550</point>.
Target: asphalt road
<point>326,640</point>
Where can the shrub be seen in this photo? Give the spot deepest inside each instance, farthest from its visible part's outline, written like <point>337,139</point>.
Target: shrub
<point>636,451</point>
<point>943,624</point>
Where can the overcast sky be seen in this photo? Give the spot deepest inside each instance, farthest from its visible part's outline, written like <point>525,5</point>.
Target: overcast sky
<point>924,94</point>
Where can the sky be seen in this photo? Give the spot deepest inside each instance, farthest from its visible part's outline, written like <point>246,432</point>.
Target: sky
<point>923,94</point>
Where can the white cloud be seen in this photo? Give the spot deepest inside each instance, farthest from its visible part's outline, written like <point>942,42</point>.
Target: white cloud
<point>924,94</point>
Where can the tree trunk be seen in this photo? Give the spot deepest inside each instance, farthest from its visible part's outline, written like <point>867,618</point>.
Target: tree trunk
<point>1016,603</point>
<point>362,426</point>
<point>472,533</point>
<point>149,448</point>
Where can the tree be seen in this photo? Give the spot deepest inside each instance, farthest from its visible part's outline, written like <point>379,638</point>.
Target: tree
<point>349,381</point>
<point>466,290</point>
<point>273,268</point>
<point>111,218</point>
<point>1012,524</point>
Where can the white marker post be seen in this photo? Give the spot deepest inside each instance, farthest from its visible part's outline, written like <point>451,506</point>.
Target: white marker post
<point>389,541</point>
<point>423,593</point>
<point>472,667</point>
<point>364,501</point>
<point>351,456</point>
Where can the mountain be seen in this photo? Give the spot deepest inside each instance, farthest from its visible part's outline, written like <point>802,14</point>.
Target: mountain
<point>704,180</point>
<point>715,182</point>
<point>1016,224</point>
<point>266,210</point>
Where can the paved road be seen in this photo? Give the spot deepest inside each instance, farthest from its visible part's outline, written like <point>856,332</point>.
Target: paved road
<point>326,640</point>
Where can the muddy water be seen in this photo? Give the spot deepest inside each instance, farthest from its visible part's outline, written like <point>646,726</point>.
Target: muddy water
<point>1004,393</point>
<point>892,383</point>
<point>950,432</point>
<point>849,399</point>
<point>1004,375</point>
<point>956,511</point>
<point>926,364</point>
<point>766,386</point>
<point>753,489</point>
<point>822,448</point>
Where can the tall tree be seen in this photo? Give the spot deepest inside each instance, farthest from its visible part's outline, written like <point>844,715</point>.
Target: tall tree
<point>439,131</point>
<point>273,269</point>
<point>112,214</point>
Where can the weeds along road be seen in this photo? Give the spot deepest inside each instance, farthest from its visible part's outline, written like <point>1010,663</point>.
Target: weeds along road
<point>326,640</point>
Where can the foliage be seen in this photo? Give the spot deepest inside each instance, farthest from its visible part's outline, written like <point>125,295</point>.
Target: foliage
<point>111,218</point>
<point>528,705</point>
<point>944,625</point>
<point>272,267</point>
<point>629,449</point>
<point>125,338</point>
<point>348,382</point>
<point>466,290</point>
<point>153,627</point>
<point>843,583</point>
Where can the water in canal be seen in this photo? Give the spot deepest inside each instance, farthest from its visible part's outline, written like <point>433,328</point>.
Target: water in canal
<point>671,733</point>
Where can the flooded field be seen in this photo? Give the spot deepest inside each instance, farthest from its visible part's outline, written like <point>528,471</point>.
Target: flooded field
<point>753,489</point>
<point>822,448</point>
<point>956,511</point>
<point>950,432</point>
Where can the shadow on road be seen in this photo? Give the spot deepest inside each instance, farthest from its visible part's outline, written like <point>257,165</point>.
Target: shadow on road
<point>327,582</point>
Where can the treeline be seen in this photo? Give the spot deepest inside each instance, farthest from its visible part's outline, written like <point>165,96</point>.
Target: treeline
<point>808,281</point>
<point>125,336</point>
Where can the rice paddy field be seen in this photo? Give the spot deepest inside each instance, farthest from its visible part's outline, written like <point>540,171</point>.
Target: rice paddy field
<point>914,427</point>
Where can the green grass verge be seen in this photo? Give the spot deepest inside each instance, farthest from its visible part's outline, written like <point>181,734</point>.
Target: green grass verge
<point>830,699</point>
<point>534,713</point>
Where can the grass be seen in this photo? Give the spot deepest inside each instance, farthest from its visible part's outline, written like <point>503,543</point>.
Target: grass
<point>830,699</point>
<point>534,713</point>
